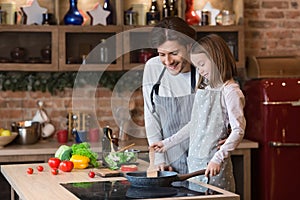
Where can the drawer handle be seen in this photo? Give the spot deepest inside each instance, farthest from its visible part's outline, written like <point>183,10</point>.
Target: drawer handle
<point>284,144</point>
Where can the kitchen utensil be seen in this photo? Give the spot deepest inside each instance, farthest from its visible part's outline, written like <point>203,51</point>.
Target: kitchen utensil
<point>112,149</point>
<point>164,178</point>
<point>126,147</point>
<point>151,171</point>
<point>29,132</point>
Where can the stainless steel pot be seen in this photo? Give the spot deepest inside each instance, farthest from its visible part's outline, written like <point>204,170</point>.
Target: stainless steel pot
<point>29,132</point>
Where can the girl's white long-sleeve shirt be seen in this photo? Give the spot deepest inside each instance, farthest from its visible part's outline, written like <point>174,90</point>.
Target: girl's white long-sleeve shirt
<point>232,105</point>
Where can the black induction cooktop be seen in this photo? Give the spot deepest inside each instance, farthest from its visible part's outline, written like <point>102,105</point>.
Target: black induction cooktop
<point>122,190</point>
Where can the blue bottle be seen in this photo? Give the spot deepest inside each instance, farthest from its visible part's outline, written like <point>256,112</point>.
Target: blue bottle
<point>73,16</point>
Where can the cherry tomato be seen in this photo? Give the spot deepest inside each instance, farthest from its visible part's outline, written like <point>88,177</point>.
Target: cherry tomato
<point>29,170</point>
<point>40,168</point>
<point>54,162</point>
<point>66,166</point>
<point>91,174</point>
<point>54,171</point>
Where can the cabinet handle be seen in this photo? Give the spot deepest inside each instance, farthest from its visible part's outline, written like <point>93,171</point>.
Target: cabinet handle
<point>293,103</point>
<point>283,144</point>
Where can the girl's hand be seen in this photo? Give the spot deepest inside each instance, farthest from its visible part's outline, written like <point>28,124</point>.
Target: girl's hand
<point>158,147</point>
<point>213,169</point>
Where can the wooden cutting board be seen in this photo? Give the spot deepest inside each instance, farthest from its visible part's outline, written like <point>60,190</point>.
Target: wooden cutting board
<point>105,172</point>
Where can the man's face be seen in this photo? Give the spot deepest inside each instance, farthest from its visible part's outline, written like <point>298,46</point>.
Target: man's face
<point>174,56</point>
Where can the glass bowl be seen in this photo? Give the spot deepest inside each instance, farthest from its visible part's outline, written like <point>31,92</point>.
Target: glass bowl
<point>114,160</point>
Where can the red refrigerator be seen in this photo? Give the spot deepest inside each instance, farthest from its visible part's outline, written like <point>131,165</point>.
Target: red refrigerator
<point>273,119</point>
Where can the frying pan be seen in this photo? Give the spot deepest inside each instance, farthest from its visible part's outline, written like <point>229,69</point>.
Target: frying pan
<point>164,178</point>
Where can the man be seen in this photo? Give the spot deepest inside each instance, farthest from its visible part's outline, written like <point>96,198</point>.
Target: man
<point>169,83</point>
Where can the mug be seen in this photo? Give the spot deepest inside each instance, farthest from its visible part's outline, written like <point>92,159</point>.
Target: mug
<point>62,136</point>
<point>94,135</point>
<point>47,130</point>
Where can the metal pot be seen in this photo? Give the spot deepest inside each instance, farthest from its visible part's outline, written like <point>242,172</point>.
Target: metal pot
<point>164,178</point>
<point>29,132</point>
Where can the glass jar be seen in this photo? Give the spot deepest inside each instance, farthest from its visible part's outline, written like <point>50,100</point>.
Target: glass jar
<point>228,17</point>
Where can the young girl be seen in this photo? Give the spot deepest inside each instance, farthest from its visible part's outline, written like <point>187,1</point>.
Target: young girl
<point>219,102</point>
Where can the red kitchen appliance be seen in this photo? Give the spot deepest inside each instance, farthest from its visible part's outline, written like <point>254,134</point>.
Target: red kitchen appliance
<point>273,120</point>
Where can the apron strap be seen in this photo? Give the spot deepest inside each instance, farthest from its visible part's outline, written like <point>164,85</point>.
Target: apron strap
<point>193,78</point>
<point>155,88</point>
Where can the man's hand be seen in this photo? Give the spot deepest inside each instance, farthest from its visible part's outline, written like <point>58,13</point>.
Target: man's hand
<point>158,147</point>
<point>212,169</point>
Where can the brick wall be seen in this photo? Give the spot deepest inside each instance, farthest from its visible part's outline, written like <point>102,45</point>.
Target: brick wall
<point>18,106</point>
<point>272,27</point>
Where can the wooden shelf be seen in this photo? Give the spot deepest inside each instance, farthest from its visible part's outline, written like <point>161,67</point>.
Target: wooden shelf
<point>76,41</point>
<point>71,43</point>
<point>33,39</point>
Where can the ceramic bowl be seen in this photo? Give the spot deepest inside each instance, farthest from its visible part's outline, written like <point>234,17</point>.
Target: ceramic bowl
<point>4,140</point>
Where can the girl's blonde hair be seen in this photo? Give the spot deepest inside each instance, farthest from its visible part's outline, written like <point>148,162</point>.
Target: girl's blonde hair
<point>223,62</point>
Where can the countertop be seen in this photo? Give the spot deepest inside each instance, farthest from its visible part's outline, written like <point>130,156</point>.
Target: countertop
<point>44,185</point>
<point>49,146</point>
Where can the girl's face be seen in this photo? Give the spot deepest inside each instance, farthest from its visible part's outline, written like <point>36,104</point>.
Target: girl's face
<point>174,56</point>
<point>203,64</point>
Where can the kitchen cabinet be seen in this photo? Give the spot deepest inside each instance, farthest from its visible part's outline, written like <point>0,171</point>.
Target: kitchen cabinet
<point>25,48</point>
<point>76,42</point>
<point>136,37</point>
<point>73,45</point>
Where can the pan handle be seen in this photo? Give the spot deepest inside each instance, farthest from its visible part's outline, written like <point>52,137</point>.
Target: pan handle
<point>183,177</point>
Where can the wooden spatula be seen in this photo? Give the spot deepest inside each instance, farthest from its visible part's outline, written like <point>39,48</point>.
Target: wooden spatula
<point>151,171</point>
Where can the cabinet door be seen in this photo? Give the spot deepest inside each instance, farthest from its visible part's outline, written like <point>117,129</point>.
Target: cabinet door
<point>28,48</point>
<point>81,48</point>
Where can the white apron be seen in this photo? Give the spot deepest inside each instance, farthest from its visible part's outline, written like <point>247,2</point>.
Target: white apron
<point>174,113</point>
<point>207,123</point>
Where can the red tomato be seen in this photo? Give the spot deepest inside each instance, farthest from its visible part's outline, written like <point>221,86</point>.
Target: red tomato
<point>29,170</point>
<point>40,168</point>
<point>54,162</point>
<point>66,166</point>
<point>91,174</point>
<point>54,171</point>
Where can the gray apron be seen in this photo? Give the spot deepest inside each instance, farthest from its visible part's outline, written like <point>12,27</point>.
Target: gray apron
<point>209,127</point>
<point>174,113</point>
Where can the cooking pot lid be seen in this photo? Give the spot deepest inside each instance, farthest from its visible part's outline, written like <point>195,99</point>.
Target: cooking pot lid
<point>150,192</point>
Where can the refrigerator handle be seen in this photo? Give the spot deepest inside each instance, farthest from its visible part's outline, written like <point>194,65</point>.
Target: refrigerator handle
<point>283,144</point>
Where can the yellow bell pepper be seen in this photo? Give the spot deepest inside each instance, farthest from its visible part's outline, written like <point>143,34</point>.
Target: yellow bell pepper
<point>80,162</point>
